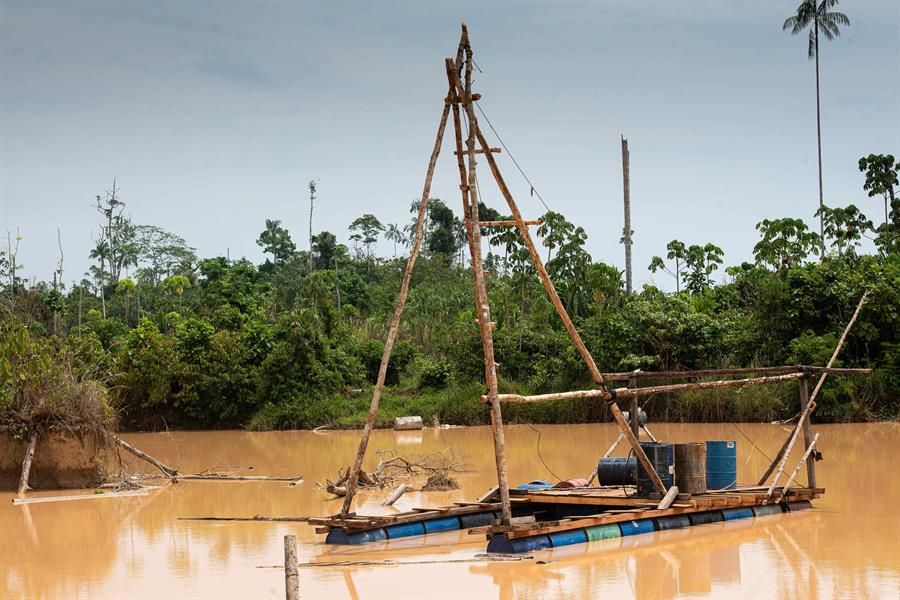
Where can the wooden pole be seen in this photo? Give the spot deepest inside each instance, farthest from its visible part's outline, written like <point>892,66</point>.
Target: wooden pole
<point>398,313</point>
<point>807,434</point>
<point>626,236</point>
<point>468,185</point>
<point>167,470</point>
<point>811,406</point>
<point>596,377</point>
<point>291,575</point>
<point>645,391</point>
<point>26,465</point>
<point>635,410</point>
<point>806,456</point>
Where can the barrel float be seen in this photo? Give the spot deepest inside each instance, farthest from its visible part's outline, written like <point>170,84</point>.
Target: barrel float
<point>478,519</point>
<point>731,514</point>
<point>690,467</point>
<point>661,456</point>
<point>767,509</point>
<point>602,532</point>
<point>713,516</point>
<point>721,465</point>
<point>672,522</point>
<point>798,505</point>
<point>617,470</point>
<point>405,530</point>
<point>636,527</point>
<point>500,543</point>
<point>338,536</point>
<point>567,538</point>
<point>445,524</point>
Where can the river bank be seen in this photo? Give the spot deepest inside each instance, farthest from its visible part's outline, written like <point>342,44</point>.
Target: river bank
<point>107,548</point>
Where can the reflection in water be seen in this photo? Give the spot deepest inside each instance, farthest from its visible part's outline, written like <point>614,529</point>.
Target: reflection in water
<point>110,548</point>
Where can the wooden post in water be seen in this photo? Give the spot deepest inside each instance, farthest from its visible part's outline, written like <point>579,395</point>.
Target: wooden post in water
<point>807,434</point>
<point>398,313</point>
<point>291,576</point>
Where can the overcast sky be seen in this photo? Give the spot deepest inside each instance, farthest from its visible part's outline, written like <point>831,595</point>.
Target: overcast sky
<point>214,116</point>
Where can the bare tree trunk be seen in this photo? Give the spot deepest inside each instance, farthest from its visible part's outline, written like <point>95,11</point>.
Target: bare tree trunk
<point>626,184</point>
<point>26,465</point>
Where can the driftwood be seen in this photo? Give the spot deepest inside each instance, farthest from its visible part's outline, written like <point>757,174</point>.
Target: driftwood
<point>139,492</point>
<point>26,465</point>
<point>398,312</point>
<point>218,477</point>
<point>291,577</point>
<point>811,405</point>
<point>167,470</point>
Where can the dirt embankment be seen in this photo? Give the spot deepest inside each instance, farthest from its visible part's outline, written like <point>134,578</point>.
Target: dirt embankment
<point>62,459</point>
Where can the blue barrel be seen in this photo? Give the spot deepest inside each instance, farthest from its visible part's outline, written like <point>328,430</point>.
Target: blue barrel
<point>721,465</point>
<point>662,457</point>
<point>567,538</point>
<point>537,484</point>
<point>500,543</point>
<point>617,471</point>
<point>602,532</point>
<point>445,524</point>
<point>636,527</point>
<point>673,522</point>
<point>767,509</point>
<point>731,514</point>
<point>713,516</point>
<point>336,536</point>
<point>478,519</point>
<point>799,505</point>
<point>405,530</point>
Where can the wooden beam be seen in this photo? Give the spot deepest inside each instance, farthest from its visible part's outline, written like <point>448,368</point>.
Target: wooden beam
<point>398,313</point>
<point>594,372</point>
<point>479,151</point>
<point>807,434</point>
<point>626,375</point>
<point>291,576</point>
<point>645,391</point>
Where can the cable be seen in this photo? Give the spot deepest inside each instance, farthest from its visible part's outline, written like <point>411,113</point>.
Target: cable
<point>751,442</point>
<point>534,192</point>
<point>558,478</point>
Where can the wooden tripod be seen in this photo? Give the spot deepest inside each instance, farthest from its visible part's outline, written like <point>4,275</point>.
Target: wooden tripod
<point>459,97</point>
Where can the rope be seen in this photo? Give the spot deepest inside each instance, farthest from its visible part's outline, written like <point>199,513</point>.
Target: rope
<point>558,478</point>
<point>751,442</point>
<point>534,192</point>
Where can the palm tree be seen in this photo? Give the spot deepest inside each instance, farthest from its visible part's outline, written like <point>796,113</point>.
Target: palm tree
<point>394,233</point>
<point>817,17</point>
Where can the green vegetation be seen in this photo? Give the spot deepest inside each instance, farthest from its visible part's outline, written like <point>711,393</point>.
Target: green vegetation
<point>181,342</point>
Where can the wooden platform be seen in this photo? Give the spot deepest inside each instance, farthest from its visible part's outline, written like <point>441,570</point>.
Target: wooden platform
<point>614,505</point>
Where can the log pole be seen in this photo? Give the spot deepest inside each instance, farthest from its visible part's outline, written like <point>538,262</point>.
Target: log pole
<point>807,434</point>
<point>398,313</point>
<point>635,410</point>
<point>395,495</point>
<point>291,576</point>
<point>811,405</point>
<point>26,465</point>
<point>596,377</point>
<point>806,456</point>
<point>469,188</point>
<point>167,470</point>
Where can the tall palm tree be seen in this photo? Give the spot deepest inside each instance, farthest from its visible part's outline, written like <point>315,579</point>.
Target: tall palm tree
<point>817,17</point>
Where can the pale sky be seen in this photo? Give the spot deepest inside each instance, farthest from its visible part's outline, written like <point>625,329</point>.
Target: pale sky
<point>214,116</point>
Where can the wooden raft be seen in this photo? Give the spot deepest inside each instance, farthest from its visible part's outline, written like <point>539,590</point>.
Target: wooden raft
<point>632,508</point>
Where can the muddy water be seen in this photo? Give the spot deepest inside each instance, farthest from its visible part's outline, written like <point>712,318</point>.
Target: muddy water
<point>848,547</point>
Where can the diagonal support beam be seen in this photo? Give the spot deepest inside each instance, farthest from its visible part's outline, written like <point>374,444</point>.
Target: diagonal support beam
<point>551,291</point>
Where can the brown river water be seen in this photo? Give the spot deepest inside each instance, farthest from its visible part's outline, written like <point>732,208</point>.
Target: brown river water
<point>847,547</point>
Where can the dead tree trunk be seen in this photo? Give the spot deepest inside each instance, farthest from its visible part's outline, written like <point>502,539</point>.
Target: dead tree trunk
<point>26,465</point>
<point>626,237</point>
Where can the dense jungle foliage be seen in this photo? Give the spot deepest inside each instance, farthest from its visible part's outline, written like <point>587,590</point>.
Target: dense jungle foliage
<point>296,341</point>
